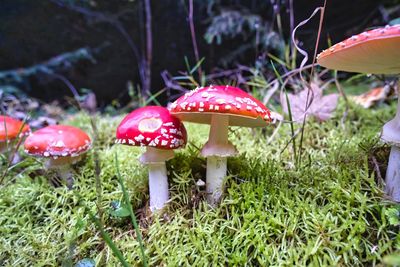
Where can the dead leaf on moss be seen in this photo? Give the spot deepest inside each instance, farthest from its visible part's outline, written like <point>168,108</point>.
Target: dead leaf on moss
<point>320,107</point>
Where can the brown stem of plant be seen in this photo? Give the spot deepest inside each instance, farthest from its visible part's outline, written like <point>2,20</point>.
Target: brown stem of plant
<point>194,41</point>
<point>96,159</point>
<point>381,181</point>
<point>309,101</point>
<point>149,49</point>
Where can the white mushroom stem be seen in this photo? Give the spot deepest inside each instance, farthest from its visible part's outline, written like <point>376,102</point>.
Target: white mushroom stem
<point>217,149</point>
<point>392,188</point>
<point>216,172</point>
<point>158,180</point>
<point>62,165</point>
<point>158,185</point>
<point>391,134</point>
<point>65,174</point>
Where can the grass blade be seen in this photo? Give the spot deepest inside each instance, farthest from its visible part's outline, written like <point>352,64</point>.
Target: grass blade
<point>132,215</point>
<point>106,237</point>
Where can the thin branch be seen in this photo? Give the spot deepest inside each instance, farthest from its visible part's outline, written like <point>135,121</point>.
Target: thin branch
<point>149,48</point>
<point>193,34</point>
<point>96,158</point>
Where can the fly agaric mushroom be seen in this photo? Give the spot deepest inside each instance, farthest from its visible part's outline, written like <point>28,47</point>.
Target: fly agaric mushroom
<point>375,52</point>
<point>155,128</point>
<point>61,145</point>
<point>11,129</point>
<point>219,106</point>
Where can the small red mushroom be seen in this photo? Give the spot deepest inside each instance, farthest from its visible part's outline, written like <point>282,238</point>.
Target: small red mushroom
<point>375,52</point>
<point>155,128</point>
<point>11,129</point>
<point>61,145</point>
<point>219,106</point>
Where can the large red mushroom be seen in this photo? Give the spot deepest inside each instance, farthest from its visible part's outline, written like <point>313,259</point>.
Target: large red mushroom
<point>156,129</point>
<point>61,146</point>
<point>221,107</point>
<point>375,52</point>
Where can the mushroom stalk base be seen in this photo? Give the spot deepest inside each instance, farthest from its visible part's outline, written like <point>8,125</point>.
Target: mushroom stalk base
<point>158,185</point>
<point>393,174</point>
<point>62,165</point>
<point>216,172</point>
<point>65,173</point>
<point>217,149</point>
<point>391,135</point>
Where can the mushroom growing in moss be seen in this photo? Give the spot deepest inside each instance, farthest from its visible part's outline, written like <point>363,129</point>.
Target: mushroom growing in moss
<point>221,107</point>
<point>376,52</point>
<point>160,132</point>
<point>11,129</point>
<point>61,146</point>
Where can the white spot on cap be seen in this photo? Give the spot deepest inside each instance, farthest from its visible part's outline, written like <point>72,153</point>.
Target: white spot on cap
<point>139,138</point>
<point>59,143</point>
<point>152,143</point>
<point>239,99</point>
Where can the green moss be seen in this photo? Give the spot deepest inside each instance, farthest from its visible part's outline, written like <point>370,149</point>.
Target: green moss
<point>328,211</point>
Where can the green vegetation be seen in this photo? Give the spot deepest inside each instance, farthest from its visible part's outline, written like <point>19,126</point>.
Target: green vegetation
<point>329,211</point>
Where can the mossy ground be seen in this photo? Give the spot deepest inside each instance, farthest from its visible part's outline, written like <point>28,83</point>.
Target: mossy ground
<point>327,212</point>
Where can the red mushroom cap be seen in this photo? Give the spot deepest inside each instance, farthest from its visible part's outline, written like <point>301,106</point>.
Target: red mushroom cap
<point>12,128</point>
<point>375,51</point>
<point>57,141</point>
<point>198,106</point>
<point>152,126</point>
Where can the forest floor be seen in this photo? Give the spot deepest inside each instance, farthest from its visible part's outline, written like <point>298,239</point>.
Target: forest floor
<point>328,210</point>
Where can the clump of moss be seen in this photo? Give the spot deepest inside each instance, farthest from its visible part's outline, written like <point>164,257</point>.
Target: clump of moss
<point>326,211</point>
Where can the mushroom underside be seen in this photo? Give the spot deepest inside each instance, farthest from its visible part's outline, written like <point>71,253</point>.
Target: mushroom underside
<point>234,120</point>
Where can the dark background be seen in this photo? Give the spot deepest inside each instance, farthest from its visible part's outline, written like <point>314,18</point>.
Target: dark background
<point>32,32</point>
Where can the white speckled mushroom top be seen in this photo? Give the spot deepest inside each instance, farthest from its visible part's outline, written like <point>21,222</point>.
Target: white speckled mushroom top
<point>57,141</point>
<point>376,51</point>
<point>152,126</point>
<point>10,128</point>
<point>243,110</point>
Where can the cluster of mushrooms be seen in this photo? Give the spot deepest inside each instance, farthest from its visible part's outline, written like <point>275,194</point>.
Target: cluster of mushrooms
<point>160,130</point>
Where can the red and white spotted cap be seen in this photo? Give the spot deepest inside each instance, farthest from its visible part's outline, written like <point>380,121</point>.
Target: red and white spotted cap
<point>376,51</point>
<point>198,106</point>
<point>57,141</point>
<point>152,126</point>
<point>10,128</point>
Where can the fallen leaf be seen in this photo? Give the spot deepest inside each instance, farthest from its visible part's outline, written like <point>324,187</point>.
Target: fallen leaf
<point>320,107</point>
